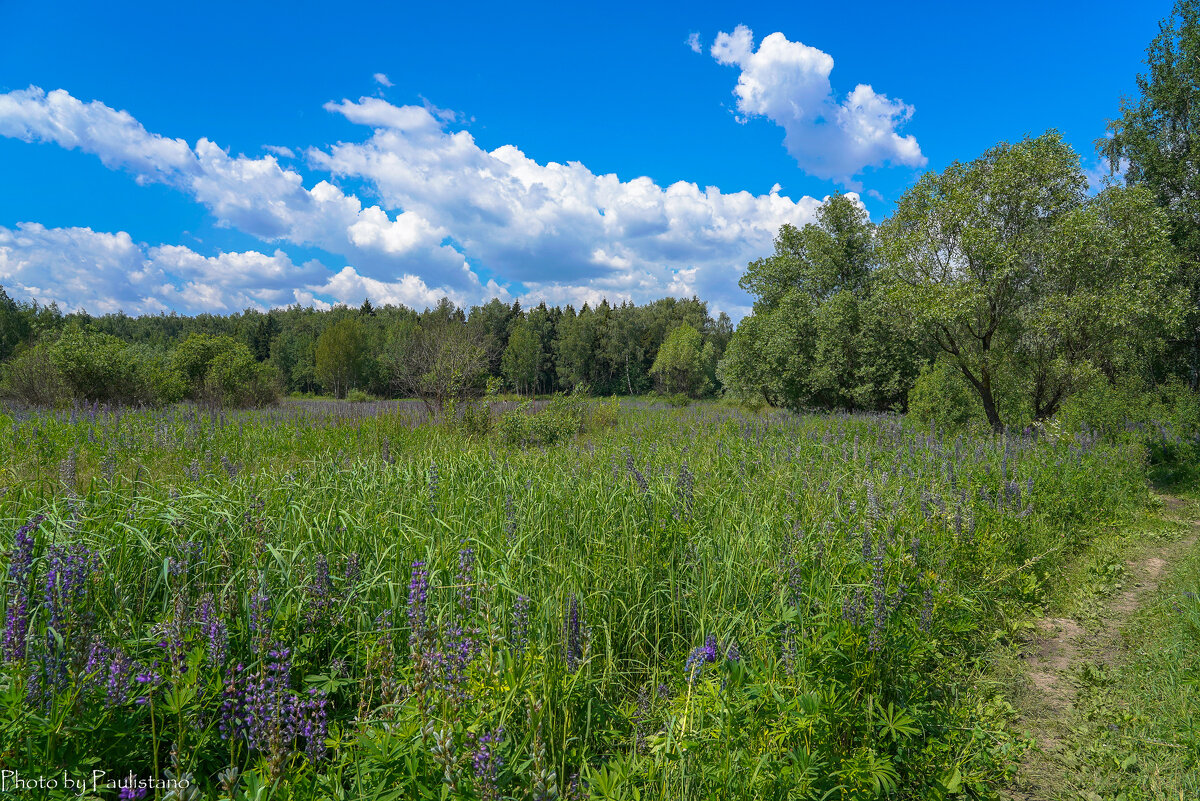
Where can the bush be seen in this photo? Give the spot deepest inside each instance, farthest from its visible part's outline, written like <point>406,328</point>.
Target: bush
<point>193,358</point>
<point>476,418</point>
<point>236,379</point>
<point>357,396</point>
<point>679,400</point>
<point>561,420</point>
<point>30,377</point>
<point>943,397</point>
<point>603,414</point>
<point>84,365</point>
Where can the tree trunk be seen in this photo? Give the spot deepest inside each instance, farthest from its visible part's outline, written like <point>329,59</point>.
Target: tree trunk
<point>983,386</point>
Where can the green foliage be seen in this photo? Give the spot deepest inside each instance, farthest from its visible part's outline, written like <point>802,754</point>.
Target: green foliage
<point>357,396</point>
<point>942,396</point>
<point>476,419</point>
<point>340,356</point>
<point>1025,282</point>
<point>194,356</point>
<point>30,377</point>
<point>820,335</point>
<point>522,357</point>
<point>557,422</point>
<point>236,380</point>
<point>683,362</point>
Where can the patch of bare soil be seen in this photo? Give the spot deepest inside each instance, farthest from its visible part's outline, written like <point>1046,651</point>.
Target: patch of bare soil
<point>1061,646</point>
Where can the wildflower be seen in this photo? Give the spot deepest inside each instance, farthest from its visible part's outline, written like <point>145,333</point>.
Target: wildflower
<point>487,764</point>
<point>700,656</point>
<point>20,568</point>
<point>260,620</point>
<point>854,607</point>
<point>320,595</point>
<point>927,610</point>
<point>879,599</point>
<point>520,625</point>
<point>573,639</point>
<point>418,596</point>
<point>213,629</point>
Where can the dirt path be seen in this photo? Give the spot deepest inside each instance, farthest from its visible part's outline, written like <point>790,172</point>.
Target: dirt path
<point>1061,646</point>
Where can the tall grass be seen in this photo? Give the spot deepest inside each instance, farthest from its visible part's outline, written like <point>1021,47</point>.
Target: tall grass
<point>351,601</point>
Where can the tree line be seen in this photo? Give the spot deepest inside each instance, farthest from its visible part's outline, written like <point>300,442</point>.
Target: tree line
<point>670,345</point>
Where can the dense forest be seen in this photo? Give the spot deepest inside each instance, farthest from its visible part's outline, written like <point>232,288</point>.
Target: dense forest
<point>999,290</point>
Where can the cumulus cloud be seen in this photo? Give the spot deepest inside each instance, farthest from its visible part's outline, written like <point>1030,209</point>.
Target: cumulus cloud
<point>255,195</point>
<point>788,83</point>
<point>107,272</point>
<point>443,203</point>
<point>693,41</point>
<point>560,229</point>
<point>382,79</point>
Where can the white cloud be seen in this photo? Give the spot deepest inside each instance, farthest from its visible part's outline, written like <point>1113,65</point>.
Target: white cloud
<point>788,83</point>
<point>255,195</point>
<point>445,203</point>
<point>103,272</point>
<point>76,267</point>
<point>557,225</point>
<point>281,152</point>
<point>693,41</point>
<point>382,79</point>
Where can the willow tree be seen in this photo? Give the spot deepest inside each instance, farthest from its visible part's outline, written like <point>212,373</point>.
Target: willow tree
<point>1022,279</point>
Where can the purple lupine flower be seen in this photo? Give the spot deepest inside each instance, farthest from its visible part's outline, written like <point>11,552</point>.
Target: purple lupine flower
<point>320,595</point>
<point>314,724</point>
<point>879,601</point>
<point>269,704</point>
<point>927,610</point>
<point>108,672</point>
<point>854,607</point>
<point>232,720</point>
<point>188,554</point>
<point>573,637</point>
<point>700,656</point>
<point>20,568</point>
<point>353,572</point>
<point>68,570</point>
<point>148,679</point>
<point>487,763</point>
<point>418,610</point>
<point>214,631</point>
<point>520,625</point>
<point>465,579</point>
<point>131,789</point>
<point>260,620</point>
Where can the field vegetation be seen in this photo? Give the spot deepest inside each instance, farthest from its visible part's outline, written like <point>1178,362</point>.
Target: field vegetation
<point>353,600</point>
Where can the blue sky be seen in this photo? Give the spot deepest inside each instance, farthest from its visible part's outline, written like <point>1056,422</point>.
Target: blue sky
<point>554,151</point>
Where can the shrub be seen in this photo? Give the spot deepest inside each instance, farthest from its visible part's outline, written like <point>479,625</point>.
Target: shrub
<point>679,400</point>
<point>558,422</point>
<point>603,414</point>
<point>94,366</point>
<point>236,379</point>
<point>194,357</point>
<point>476,418</point>
<point>943,397</point>
<point>357,396</point>
<point>30,377</point>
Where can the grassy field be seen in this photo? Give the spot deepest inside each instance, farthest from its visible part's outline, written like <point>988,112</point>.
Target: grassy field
<point>331,600</point>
